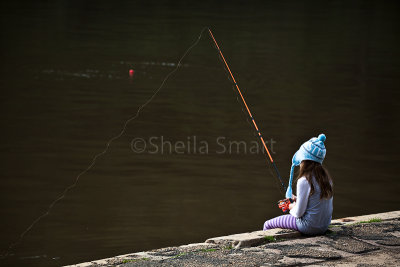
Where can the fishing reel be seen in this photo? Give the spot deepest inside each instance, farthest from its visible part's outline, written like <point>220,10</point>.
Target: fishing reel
<point>283,204</point>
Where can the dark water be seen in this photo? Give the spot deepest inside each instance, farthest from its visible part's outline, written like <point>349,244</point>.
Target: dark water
<point>65,90</point>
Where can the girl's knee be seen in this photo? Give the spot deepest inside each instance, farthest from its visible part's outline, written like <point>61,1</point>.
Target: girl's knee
<point>266,226</point>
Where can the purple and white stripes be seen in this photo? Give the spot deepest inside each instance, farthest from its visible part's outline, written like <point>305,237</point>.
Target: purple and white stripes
<point>285,221</point>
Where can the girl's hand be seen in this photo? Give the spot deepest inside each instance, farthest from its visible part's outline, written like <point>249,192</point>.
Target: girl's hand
<point>291,205</point>
<point>294,197</point>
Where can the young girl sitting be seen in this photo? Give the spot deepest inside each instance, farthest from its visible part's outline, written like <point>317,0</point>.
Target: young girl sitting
<point>311,211</point>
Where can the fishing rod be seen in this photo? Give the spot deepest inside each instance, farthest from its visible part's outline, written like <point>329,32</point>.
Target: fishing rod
<point>248,111</point>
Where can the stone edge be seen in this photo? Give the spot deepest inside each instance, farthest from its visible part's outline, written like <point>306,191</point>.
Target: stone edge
<point>244,239</point>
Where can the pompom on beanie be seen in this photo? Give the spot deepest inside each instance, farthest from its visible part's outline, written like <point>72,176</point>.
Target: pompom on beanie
<point>313,149</point>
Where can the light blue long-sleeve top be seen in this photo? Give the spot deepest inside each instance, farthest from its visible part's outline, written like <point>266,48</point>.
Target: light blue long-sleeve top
<point>313,215</point>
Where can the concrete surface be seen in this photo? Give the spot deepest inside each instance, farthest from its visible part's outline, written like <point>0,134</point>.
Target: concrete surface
<point>351,241</point>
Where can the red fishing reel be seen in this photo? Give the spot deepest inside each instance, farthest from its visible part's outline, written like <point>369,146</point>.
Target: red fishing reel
<point>284,204</point>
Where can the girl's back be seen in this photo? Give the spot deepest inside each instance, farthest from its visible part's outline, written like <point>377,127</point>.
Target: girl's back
<point>318,213</point>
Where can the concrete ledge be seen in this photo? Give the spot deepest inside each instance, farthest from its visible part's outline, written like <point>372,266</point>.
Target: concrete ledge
<point>252,238</point>
<point>258,237</point>
<point>236,242</point>
<point>384,216</point>
<point>144,255</point>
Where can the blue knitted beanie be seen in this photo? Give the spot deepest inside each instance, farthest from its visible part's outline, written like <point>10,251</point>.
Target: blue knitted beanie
<point>313,149</point>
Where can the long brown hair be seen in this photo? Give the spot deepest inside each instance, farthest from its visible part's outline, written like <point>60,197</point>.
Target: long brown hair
<point>310,168</point>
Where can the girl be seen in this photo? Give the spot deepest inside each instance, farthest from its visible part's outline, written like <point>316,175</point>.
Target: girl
<point>311,211</point>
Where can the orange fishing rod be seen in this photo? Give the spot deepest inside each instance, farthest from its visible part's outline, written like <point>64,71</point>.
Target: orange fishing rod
<point>248,110</point>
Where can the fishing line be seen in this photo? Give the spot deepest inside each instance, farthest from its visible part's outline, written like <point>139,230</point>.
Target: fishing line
<point>104,151</point>
<point>93,162</point>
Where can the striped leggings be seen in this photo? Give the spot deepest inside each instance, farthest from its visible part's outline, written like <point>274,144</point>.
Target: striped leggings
<point>285,221</point>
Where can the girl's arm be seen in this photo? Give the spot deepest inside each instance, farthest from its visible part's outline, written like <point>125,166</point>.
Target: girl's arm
<point>303,192</point>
